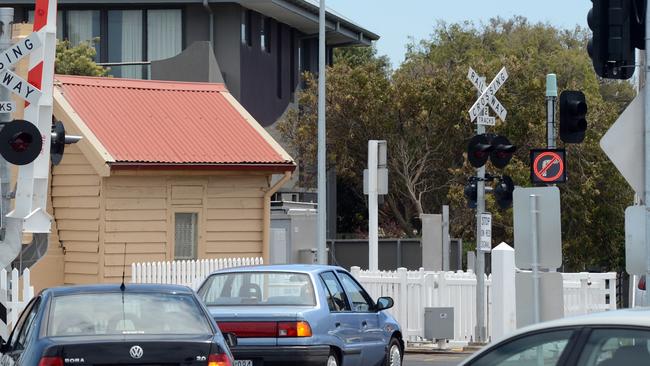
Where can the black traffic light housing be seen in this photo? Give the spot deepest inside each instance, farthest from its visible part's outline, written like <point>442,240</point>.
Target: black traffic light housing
<point>478,150</point>
<point>502,151</point>
<point>503,192</point>
<point>487,146</point>
<point>58,142</point>
<point>20,142</point>
<point>573,113</point>
<point>618,27</point>
<point>471,192</point>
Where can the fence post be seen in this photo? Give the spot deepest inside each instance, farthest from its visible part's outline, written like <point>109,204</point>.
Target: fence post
<point>584,289</point>
<point>402,275</point>
<point>355,271</point>
<point>504,307</point>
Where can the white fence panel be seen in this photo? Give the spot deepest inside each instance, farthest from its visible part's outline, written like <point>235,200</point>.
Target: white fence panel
<point>12,299</point>
<point>413,291</point>
<point>586,293</point>
<point>187,273</point>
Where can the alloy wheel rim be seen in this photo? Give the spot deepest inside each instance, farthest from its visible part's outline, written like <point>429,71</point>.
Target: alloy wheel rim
<point>331,361</point>
<point>395,356</point>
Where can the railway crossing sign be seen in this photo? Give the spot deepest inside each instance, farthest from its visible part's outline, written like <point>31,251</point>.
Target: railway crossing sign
<point>13,82</point>
<point>548,166</point>
<point>7,107</point>
<point>487,97</point>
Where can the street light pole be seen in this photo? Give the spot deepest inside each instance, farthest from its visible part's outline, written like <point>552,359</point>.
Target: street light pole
<point>321,229</point>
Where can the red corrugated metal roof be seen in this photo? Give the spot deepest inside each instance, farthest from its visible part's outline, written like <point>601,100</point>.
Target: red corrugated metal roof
<point>158,122</point>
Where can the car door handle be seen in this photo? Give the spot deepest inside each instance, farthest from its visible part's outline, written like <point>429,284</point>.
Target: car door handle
<point>364,323</point>
<point>337,324</point>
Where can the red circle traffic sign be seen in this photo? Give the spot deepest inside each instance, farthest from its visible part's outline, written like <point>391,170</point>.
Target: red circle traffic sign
<point>540,167</point>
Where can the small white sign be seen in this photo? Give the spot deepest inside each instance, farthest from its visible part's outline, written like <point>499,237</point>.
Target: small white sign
<point>19,50</point>
<point>485,235</point>
<point>486,120</point>
<point>7,107</point>
<point>19,86</point>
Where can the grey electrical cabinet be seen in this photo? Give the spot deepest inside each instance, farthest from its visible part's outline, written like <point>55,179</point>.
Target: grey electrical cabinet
<point>438,323</point>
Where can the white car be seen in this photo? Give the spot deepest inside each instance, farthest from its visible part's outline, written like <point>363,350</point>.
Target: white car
<point>612,338</point>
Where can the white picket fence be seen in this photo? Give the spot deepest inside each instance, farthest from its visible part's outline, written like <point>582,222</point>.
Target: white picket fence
<point>413,291</point>
<point>12,298</point>
<point>187,273</point>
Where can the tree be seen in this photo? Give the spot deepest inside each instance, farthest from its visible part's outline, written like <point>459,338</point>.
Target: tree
<point>77,60</point>
<point>421,110</point>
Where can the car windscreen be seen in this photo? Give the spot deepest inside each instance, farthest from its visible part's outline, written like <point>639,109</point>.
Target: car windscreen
<point>126,313</point>
<point>258,288</point>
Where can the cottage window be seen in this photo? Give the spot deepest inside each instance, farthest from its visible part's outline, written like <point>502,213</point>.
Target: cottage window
<point>186,235</point>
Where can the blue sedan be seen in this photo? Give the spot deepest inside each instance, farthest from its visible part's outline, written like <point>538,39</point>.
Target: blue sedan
<point>302,315</point>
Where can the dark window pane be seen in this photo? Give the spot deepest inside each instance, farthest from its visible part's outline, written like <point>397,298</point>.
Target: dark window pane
<point>125,42</point>
<point>614,347</point>
<point>547,347</point>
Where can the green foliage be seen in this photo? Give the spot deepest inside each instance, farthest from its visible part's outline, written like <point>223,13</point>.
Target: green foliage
<point>421,109</point>
<point>77,60</point>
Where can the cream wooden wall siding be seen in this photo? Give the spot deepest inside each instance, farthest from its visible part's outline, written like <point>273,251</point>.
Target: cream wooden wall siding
<point>235,208</point>
<point>76,204</point>
<point>135,220</point>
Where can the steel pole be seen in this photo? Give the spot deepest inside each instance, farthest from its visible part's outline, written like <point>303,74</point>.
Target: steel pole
<point>373,216</point>
<point>646,200</point>
<point>480,255</point>
<point>321,229</point>
<point>551,99</point>
<point>535,259</point>
<point>6,18</point>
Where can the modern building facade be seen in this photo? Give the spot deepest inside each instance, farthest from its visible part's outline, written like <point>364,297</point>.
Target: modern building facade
<point>260,46</point>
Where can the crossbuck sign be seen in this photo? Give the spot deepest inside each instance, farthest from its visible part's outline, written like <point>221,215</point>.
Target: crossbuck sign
<point>13,82</point>
<point>487,97</point>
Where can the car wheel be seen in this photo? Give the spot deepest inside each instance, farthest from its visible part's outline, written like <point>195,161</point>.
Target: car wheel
<point>332,360</point>
<point>394,356</point>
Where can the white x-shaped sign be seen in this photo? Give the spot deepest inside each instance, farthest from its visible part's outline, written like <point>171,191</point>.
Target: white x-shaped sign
<point>13,82</point>
<point>487,94</point>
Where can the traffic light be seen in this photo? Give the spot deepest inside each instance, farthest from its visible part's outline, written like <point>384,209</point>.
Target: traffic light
<point>478,150</point>
<point>503,192</point>
<point>20,142</point>
<point>573,112</point>
<point>59,140</point>
<point>471,192</point>
<point>494,147</point>
<point>618,26</point>
<point>502,151</point>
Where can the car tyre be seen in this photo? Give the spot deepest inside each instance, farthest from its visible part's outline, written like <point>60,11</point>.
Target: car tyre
<point>333,359</point>
<point>394,355</point>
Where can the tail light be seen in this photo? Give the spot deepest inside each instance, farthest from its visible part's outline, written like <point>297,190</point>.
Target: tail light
<point>642,283</point>
<point>267,329</point>
<point>294,329</point>
<point>220,359</point>
<point>51,361</point>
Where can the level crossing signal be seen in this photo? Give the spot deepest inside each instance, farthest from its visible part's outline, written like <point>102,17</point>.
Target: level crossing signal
<point>58,142</point>
<point>487,146</point>
<point>618,27</point>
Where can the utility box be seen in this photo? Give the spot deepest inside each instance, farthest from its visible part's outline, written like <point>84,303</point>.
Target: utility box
<point>438,323</point>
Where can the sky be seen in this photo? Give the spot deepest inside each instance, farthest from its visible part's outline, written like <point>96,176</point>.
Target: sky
<point>397,20</point>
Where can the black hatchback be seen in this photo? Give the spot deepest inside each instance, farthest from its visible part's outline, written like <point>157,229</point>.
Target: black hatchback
<point>113,324</point>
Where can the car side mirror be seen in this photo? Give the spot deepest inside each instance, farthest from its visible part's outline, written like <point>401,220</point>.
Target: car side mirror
<point>384,303</point>
<point>231,339</point>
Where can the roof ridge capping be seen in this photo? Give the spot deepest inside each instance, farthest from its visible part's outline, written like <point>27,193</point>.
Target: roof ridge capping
<point>108,82</point>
